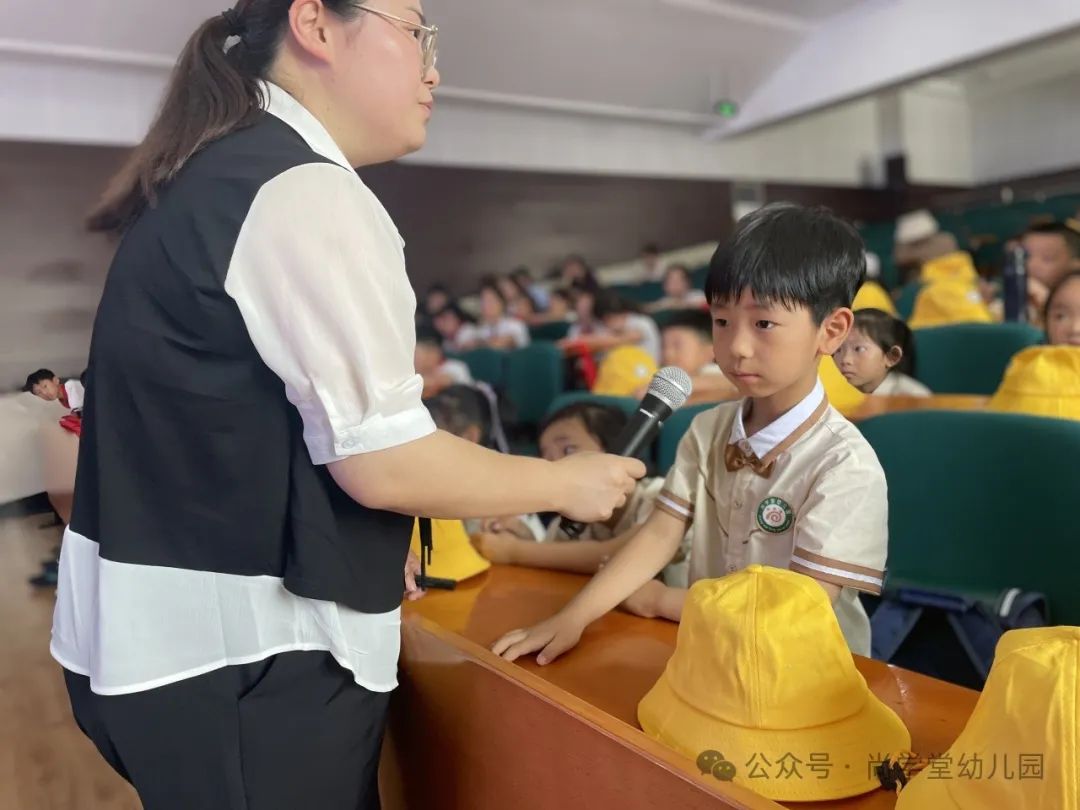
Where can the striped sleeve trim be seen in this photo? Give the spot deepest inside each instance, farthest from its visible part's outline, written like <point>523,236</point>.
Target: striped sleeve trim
<point>675,506</point>
<point>837,572</point>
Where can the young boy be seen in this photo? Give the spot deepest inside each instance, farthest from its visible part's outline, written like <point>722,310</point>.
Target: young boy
<point>1053,250</point>
<point>439,373</point>
<point>45,385</point>
<point>687,343</point>
<point>778,478</point>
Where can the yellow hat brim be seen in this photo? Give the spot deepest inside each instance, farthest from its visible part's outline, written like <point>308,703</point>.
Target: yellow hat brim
<point>853,745</point>
<point>453,556</point>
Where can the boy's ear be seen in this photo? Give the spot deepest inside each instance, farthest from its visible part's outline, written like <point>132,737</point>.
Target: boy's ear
<point>834,330</point>
<point>893,356</point>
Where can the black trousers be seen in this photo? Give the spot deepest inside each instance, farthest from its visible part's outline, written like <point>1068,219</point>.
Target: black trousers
<point>291,732</point>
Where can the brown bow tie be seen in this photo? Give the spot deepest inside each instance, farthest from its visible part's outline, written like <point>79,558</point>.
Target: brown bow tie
<point>736,459</point>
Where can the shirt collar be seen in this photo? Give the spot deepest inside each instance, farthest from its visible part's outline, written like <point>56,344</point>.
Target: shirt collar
<point>280,104</point>
<point>763,442</point>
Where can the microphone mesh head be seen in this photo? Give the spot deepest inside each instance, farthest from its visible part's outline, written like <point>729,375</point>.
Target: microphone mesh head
<point>672,385</point>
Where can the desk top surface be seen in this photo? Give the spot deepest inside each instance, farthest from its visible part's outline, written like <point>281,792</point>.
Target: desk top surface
<point>620,657</point>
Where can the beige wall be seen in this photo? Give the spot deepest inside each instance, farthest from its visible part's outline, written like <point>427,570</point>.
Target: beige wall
<point>51,270</point>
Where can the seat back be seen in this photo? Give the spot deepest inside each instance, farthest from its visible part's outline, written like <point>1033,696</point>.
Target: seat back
<point>533,379</point>
<point>969,358</point>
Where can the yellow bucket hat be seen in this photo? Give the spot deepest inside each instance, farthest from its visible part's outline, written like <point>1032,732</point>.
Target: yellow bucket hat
<point>1042,381</point>
<point>872,295</point>
<point>1019,749</point>
<point>452,556</point>
<point>841,394</point>
<point>955,266</point>
<point>763,691</point>
<point>947,302</point>
<point>624,371</point>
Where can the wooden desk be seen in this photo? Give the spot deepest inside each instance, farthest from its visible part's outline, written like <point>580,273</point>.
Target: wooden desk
<point>876,406</point>
<point>469,730</point>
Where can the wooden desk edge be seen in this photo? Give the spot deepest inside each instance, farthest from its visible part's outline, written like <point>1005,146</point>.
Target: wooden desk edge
<point>738,798</point>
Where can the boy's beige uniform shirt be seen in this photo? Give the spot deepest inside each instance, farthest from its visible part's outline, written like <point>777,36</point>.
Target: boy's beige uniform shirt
<point>821,510</point>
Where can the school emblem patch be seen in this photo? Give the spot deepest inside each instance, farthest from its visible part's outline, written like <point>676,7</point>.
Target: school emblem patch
<point>774,515</point>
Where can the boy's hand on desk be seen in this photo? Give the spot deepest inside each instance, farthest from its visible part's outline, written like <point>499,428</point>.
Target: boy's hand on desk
<point>552,637</point>
<point>645,601</point>
<point>497,547</point>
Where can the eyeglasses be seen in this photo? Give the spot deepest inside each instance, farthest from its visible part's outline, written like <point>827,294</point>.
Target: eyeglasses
<point>426,35</point>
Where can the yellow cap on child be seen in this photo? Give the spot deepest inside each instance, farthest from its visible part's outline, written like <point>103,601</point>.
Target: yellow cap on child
<point>624,371</point>
<point>452,555</point>
<point>872,295</point>
<point>956,266</point>
<point>1042,381</point>
<point>947,302</point>
<point>1021,748</point>
<point>763,691</point>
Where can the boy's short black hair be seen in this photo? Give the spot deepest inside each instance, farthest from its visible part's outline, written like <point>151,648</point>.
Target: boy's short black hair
<point>455,309</point>
<point>428,336</point>
<point>887,331</point>
<point>1065,231</point>
<point>609,302</point>
<point>696,320</point>
<point>491,284</point>
<point>790,255</point>
<point>603,422</point>
<point>41,375</point>
<point>457,408</point>
<point>678,268</point>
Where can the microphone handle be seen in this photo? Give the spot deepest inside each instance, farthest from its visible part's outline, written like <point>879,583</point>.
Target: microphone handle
<point>638,434</point>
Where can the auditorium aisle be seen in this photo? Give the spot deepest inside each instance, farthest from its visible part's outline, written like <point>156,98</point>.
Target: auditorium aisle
<point>45,761</point>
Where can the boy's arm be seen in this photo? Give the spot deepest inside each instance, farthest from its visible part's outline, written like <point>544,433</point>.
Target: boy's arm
<point>581,557</point>
<point>646,553</point>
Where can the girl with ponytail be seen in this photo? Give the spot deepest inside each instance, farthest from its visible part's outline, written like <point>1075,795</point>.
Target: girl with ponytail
<point>253,443</point>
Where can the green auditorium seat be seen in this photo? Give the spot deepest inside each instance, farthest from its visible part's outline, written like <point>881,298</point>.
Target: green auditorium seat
<point>905,302</point>
<point>556,330</point>
<point>533,379</point>
<point>644,293</point>
<point>674,429</point>
<point>969,358</point>
<point>982,502</point>
<point>665,316</point>
<point>486,365</point>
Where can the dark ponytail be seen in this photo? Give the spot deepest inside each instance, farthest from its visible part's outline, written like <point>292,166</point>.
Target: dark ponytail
<point>212,92</point>
<point>887,332</point>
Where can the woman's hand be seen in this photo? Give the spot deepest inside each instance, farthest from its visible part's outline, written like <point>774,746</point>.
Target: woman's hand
<point>595,485</point>
<point>552,637</point>
<point>412,568</point>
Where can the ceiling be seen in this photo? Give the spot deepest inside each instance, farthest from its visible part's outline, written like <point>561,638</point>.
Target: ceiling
<point>658,55</point>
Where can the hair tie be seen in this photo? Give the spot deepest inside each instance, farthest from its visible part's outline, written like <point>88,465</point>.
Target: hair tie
<point>234,21</point>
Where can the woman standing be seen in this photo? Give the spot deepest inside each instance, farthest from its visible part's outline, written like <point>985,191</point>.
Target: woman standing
<point>228,608</point>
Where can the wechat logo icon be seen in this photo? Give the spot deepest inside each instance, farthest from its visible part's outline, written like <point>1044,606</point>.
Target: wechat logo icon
<point>713,762</point>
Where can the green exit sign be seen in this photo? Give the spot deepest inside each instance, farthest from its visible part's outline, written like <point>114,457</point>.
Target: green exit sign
<point>726,109</point>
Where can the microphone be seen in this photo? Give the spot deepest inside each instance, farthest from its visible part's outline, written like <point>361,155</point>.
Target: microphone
<point>668,392</point>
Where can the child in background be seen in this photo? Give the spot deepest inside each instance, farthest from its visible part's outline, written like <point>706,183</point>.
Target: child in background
<point>436,299</point>
<point>779,478</point>
<point>560,306</point>
<point>687,343</point>
<point>540,296</point>
<point>679,292</point>
<point>497,330</point>
<point>576,272</point>
<point>1053,250</point>
<point>1063,312</point>
<point>457,329</point>
<point>432,364</point>
<point>622,325</point>
<point>583,427</point>
<point>652,269</point>
<point>44,384</point>
<point>878,356</point>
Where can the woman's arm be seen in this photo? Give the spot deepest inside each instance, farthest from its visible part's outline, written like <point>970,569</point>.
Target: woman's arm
<point>442,476</point>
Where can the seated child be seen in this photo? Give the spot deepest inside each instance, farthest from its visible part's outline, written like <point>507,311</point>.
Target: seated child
<point>679,291</point>
<point>878,356</point>
<point>778,478</point>
<point>438,371</point>
<point>622,325</point>
<point>687,343</point>
<point>458,330</point>
<point>497,329</point>
<point>578,428</point>
<point>1053,250</point>
<point>1063,312</point>
<point>44,384</point>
